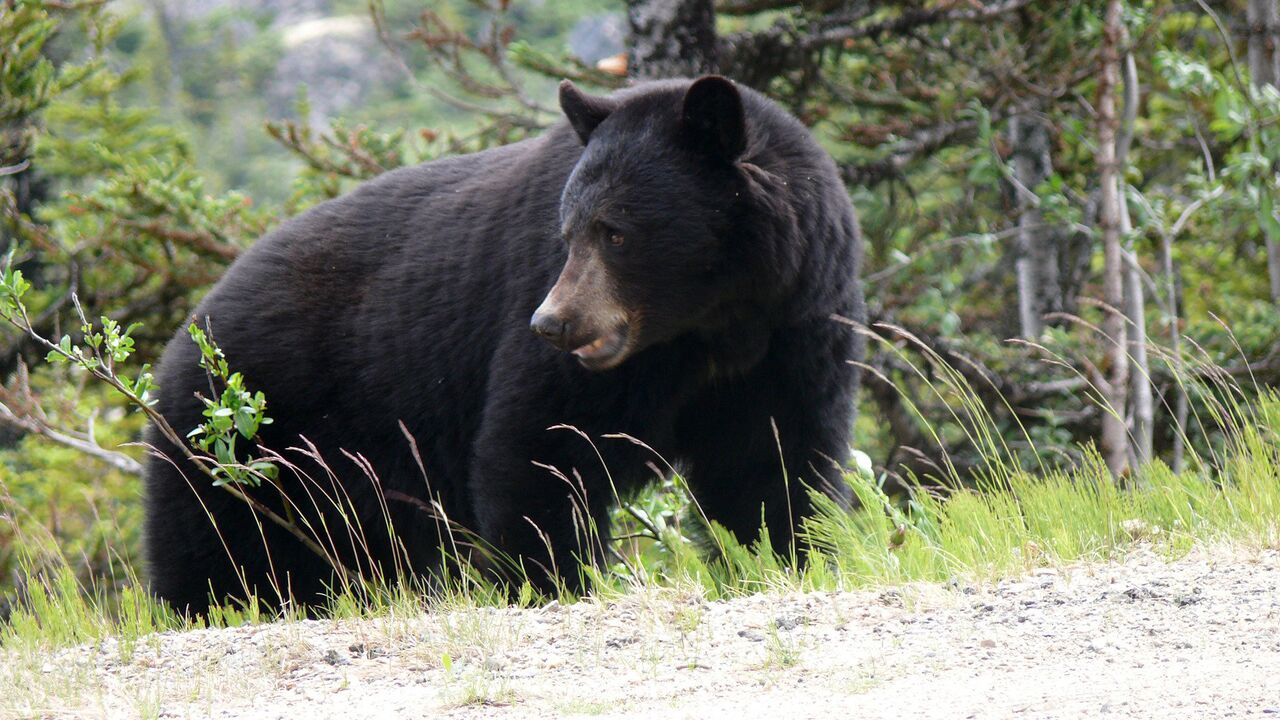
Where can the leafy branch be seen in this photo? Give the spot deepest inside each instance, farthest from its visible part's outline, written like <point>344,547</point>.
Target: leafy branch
<point>234,411</point>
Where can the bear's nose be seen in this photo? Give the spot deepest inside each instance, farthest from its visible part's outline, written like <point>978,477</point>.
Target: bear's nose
<point>550,326</point>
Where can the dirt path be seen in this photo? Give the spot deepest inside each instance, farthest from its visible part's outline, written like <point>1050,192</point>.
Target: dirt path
<point>1197,638</point>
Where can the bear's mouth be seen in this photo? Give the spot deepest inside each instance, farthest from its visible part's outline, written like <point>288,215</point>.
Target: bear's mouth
<point>605,351</point>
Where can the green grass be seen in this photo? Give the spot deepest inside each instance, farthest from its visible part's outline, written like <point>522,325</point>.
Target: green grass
<point>1011,521</point>
<point>1014,522</point>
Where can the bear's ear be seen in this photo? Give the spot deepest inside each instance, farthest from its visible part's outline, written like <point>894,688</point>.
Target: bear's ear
<point>713,117</point>
<point>584,111</point>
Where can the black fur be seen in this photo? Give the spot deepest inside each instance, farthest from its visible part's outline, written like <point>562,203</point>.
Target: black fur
<point>409,301</point>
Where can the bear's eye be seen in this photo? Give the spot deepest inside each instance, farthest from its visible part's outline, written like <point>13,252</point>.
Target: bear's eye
<point>616,239</point>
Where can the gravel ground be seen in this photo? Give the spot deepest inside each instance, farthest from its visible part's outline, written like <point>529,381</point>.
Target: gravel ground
<point>1195,638</point>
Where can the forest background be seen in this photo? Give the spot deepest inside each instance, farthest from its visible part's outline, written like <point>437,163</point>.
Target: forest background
<point>1069,207</point>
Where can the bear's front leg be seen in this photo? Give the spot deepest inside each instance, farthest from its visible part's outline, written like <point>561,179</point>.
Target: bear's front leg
<point>539,508</point>
<point>757,445</point>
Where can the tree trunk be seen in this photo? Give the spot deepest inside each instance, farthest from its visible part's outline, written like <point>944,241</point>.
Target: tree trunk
<point>671,38</point>
<point>1039,281</point>
<point>1113,380</point>
<point>1143,395</point>
<point>1264,69</point>
<point>1174,303</point>
<point>1264,36</point>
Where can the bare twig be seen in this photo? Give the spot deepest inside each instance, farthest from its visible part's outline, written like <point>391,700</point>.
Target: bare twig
<point>202,241</point>
<point>378,15</point>
<point>27,421</point>
<point>15,169</point>
<point>910,20</point>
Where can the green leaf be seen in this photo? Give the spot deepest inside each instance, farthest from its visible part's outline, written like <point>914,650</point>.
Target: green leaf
<point>245,424</point>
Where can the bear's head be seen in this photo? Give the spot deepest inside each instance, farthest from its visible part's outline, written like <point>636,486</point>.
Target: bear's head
<point>648,216</point>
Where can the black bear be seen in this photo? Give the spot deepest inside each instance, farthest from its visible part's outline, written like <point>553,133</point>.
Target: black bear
<point>665,265</point>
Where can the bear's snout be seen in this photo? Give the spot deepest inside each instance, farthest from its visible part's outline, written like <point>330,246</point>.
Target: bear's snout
<point>550,326</point>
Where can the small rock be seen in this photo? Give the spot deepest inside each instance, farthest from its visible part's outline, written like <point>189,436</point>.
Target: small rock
<point>784,622</point>
<point>892,598</point>
<point>1139,593</point>
<point>752,635</point>
<point>363,650</point>
<point>1192,598</point>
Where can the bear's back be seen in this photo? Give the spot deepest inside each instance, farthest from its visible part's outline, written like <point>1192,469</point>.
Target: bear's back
<point>370,282</point>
